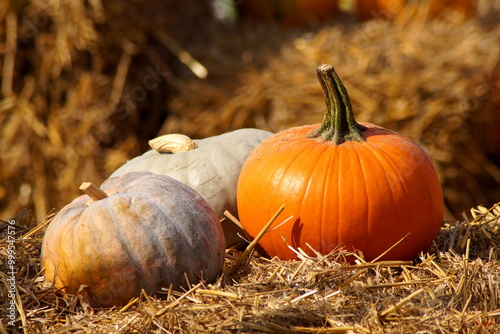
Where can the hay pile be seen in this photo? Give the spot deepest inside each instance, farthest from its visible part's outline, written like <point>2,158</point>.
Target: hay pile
<point>452,289</point>
<point>84,85</point>
<point>430,80</point>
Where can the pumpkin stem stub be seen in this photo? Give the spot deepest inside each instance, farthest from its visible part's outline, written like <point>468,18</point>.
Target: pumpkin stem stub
<point>93,191</point>
<point>338,125</point>
<point>172,143</point>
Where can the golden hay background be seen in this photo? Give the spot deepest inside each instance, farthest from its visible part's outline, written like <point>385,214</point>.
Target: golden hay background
<point>85,84</point>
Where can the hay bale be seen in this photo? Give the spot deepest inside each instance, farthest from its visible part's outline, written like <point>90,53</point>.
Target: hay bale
<point>84,85</point>
<point>430,80</point>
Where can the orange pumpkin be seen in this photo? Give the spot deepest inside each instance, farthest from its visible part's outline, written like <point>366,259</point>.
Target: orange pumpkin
<point>386,9</point>
<point>289,12</point>
<point>349,184</point>
<point>463,8</point>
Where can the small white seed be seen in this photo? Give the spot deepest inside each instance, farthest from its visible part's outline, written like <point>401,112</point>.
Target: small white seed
<point>172,143</point>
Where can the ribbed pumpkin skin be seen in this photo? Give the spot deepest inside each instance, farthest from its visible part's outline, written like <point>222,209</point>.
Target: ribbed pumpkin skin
<point>212,170</point>
<point>145,235</point>
<point>358,195</point>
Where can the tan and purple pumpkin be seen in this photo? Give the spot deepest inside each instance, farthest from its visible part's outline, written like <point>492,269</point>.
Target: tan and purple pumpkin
<point>139,231</point>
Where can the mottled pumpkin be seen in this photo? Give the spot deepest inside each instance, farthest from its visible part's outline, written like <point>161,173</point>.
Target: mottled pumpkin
<point>147,233</point>
<point>211,169</point>
<point>346,184</point>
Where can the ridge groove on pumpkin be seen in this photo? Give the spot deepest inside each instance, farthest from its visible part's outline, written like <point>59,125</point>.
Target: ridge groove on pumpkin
<point>319,151</point>
<point>359,164</point>
<point>386,154</point>
<point>290,163</point>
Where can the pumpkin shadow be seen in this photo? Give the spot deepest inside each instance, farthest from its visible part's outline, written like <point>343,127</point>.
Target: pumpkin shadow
<point>296,233</point>
<point>297,229</point>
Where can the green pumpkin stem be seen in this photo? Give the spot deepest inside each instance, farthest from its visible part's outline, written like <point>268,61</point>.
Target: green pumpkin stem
<point>338,125</point>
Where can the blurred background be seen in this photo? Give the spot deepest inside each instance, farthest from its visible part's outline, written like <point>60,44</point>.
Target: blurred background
<point>86,83</point>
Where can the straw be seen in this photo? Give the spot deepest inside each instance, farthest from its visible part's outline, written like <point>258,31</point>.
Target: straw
<point>321,293</point>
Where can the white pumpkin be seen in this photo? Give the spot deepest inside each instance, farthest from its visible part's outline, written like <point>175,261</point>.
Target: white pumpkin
<point>211,169</point>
